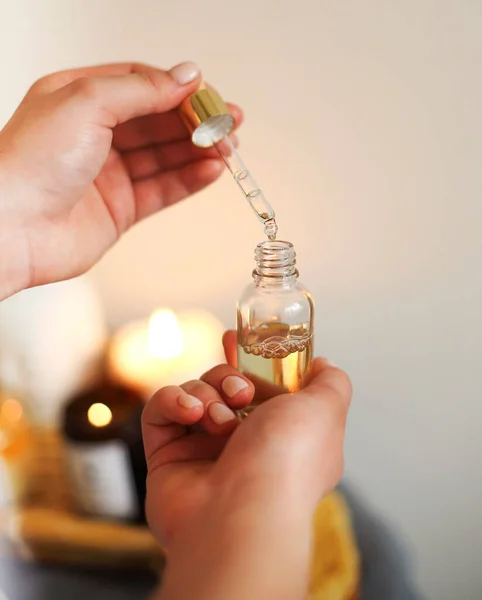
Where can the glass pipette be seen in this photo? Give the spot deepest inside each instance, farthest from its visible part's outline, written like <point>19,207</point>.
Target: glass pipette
<point>251,191</point>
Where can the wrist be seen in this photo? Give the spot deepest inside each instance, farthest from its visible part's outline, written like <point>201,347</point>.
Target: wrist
<point>256,550</point>
<point>14,255</point>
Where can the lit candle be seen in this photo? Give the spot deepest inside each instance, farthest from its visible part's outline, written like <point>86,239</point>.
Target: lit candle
<point>165,350</point>
<point>105,457</point>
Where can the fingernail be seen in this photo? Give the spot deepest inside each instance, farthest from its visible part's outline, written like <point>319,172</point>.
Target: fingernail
<point>188,401</point>
<point>232,385</point>
<point>220,413</point>
<point>185,72</point>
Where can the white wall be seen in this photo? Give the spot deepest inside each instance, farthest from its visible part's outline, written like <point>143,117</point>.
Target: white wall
<point>364,128</point>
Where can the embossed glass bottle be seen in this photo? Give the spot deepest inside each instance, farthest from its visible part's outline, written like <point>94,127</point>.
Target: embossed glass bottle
<point>274,324</point>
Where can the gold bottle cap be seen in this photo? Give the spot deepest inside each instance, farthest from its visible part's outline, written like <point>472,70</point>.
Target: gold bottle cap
<point>206,117</point>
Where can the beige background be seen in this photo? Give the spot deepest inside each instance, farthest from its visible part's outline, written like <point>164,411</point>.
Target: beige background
<point>364,128</point>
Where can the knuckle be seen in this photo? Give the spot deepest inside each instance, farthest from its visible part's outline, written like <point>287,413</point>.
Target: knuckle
<point>151,78</point>
<point>155,80</point>
<point>196,388</point>
<point>344,386</point>
<point>147,410</point>
<point>168,389</point>
<point>153,404</point>
<point>145,416</point>
<point>157,396</point>
<point>219,371</point>
<point>337,413</point>
<point>85,88</point>
<point>286,428</point>
<point>137,67</point>
<point>217,374</point>
<point>190,384</point>
<point>348,384</point>
<point>41,85</point>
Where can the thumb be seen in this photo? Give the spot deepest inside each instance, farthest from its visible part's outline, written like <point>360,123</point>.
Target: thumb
<point>325,376</point>
<point>146,90</point>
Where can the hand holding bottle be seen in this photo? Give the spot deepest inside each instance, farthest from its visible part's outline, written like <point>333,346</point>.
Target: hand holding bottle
<point>242,489</point>
<point>88,153</point>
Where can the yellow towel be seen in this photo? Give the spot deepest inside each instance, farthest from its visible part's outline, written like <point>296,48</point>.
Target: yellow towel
<point>335,563</point>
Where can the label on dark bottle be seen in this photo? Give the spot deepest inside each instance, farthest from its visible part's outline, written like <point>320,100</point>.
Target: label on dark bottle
<point>6,495</point>
<point>103,480</point>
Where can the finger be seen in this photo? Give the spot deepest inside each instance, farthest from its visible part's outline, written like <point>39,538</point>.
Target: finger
<point>164,433</point>
<point>119,98</point>
<point>234,388</point>
<point>218,418</point>
<point>57,80</point>
<point>165,416</point>
<point>170,187</point>
<point>192,447</point>
<point>152,160</point>
<point>158,129</point>
<point>230,347</point>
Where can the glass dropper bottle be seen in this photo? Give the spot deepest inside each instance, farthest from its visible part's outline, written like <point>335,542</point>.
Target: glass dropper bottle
<point>275,316</point>
<point>275,312</point>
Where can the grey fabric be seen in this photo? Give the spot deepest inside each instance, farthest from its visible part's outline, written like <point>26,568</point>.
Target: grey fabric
<point>386,564</point>
<point>26,581</point>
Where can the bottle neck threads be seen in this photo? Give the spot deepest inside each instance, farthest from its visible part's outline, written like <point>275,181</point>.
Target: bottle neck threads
<point>275,263</point>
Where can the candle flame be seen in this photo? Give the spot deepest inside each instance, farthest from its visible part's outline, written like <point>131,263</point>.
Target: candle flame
<point>165,336</point>
<point>99,414</point>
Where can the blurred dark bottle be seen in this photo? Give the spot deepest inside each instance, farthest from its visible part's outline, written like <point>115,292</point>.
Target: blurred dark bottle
<point>105,454</point>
